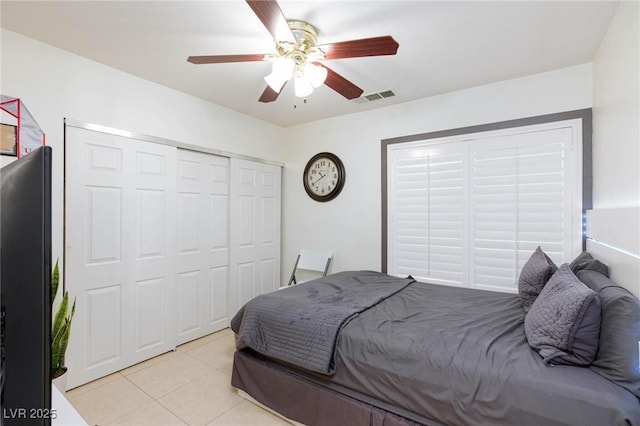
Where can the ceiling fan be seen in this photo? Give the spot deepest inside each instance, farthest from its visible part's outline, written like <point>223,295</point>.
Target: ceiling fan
<point>299,55</point>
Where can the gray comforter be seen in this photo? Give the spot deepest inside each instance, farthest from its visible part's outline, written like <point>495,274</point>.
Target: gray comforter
<point>449,356</point>
<point>300,324</point>
<point>456,356</point>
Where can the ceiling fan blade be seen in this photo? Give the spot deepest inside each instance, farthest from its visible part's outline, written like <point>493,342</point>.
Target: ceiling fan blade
<point>375,46</point>
<point>270,95</point>
<point>341,84</point>
<point>272,18</point>
<point>220,59</point>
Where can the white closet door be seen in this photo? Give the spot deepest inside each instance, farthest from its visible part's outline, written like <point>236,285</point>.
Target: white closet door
<point>255,231</point>
<point>120,251</point>
<point>203,244</point>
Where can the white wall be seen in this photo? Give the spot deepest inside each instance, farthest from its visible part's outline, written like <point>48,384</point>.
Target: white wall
<point>54,84</point>
<point>616,112</point>
<point>616,132</point>
<point>350,225</point>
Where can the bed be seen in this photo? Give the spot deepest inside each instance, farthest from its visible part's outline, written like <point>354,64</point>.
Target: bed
<point>420,353</point>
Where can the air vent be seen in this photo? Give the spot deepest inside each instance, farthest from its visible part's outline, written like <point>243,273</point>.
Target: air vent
<point>373,97</point>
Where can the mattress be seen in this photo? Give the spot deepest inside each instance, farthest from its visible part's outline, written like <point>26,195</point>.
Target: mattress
<point>445,355</point>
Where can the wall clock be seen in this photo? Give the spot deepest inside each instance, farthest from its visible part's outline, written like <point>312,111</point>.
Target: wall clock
<point>324,176</point>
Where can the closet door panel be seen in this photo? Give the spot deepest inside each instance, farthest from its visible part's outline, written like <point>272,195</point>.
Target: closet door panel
<point>120,251</point>
<point>203,199</point>
<point>188,303</point>
<point>149,297</point>
<point>218,282</point>
<point>103,341</point>
<point>255,230</point>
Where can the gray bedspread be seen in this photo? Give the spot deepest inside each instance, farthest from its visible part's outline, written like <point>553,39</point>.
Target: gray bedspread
<point>300,324</point>
<point>449,356</point>
<point>457,356</point>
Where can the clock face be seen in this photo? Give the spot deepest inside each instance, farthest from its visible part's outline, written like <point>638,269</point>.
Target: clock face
<point>324,177</point>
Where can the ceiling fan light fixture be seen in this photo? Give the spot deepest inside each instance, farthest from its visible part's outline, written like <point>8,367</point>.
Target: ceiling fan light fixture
<point>315,73</point>
<point>274,82</point>
<point>281,72</point>
<point>303,85</point>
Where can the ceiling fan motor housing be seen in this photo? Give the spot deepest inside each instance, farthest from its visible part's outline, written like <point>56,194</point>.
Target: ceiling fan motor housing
<point>306,37</point>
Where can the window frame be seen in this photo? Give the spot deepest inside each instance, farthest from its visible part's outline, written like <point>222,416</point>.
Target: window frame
<point>581,122</point>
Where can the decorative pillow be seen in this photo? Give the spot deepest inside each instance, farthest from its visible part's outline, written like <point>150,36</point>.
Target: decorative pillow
<point>617,358</point>
<point>586,261</point>
<point>534,275</point>
<point>563,324</point>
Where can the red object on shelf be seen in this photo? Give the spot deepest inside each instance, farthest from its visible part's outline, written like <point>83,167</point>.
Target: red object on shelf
<point>29,135</point>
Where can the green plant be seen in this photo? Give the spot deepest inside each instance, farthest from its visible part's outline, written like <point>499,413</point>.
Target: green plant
<point>61,326</point>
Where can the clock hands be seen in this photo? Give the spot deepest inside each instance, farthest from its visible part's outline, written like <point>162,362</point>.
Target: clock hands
<point>317,180</point>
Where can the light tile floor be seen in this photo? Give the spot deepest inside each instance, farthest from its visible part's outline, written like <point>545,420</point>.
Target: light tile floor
<point>189,386</point>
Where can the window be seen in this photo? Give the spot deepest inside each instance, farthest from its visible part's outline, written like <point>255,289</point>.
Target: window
<point>468,210</point>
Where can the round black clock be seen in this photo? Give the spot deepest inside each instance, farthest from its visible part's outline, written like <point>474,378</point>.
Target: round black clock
<point>323,176</point>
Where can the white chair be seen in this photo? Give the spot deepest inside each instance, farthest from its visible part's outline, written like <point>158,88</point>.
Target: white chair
<point>310,264</point>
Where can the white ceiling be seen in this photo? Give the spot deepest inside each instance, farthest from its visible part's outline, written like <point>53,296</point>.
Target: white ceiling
<point>444,46</point>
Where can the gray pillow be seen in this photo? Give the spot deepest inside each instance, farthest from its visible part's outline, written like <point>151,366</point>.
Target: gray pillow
<point>534,275</point>
<point>617,358</point>
<point>563,324</point>
<point>586,261</point>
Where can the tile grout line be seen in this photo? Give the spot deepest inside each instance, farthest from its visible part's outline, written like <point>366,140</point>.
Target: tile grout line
<point>120,374</point>
<point>89,390</point>
<point>115,421</point>
<point>157,400</point>
<point>213,368</point>
<point>224,412</point>
<point>172,390</point>
<point>172,351</point>
<point>171,411</point>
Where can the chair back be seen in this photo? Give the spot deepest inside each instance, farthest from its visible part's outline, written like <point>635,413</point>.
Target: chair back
<point>314,260</point>
<point>310,260</point>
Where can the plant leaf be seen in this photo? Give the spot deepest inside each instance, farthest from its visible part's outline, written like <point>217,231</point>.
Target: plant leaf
<point>56,346</point>
<point>61,326</point>
<point>61,314</point>
<point>55,281</point>
<point>64,341</point>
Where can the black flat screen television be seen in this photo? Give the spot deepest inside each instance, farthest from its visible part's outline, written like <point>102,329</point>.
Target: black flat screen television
<point>25,284</point>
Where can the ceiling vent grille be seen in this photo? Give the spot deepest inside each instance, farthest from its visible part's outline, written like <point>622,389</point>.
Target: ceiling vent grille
<point>373,97</point>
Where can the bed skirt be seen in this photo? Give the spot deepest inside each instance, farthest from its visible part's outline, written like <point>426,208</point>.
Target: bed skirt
<point>302,400</point>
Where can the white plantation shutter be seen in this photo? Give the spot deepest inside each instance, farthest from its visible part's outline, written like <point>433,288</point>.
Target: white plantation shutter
<point>470,211</point>
<point>520,188</point>
<point>431,204</point>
